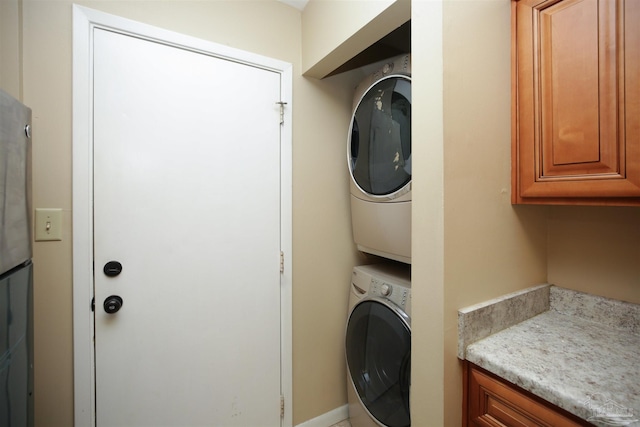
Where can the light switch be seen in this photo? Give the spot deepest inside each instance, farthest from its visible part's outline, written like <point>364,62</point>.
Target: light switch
<point>48,224</point>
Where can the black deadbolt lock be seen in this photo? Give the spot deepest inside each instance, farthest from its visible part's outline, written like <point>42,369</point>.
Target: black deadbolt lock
<point>113,304</point>
<point>112,268</point>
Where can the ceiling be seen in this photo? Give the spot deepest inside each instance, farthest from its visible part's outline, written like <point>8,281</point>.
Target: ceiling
<point>298,4</point>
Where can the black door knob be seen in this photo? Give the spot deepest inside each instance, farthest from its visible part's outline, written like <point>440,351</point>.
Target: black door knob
<point>112,268</point>
<point>112,304</point>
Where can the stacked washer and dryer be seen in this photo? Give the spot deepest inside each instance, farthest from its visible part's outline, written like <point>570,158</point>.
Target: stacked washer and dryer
<point>378,332</point>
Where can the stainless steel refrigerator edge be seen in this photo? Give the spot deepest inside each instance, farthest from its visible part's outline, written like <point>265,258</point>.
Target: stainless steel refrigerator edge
<point>16,269</point>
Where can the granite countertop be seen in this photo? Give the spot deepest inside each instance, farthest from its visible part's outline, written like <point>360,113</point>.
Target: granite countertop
<point>577,351</point>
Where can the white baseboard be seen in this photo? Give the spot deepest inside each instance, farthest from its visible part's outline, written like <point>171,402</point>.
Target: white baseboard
<point>328,418</point>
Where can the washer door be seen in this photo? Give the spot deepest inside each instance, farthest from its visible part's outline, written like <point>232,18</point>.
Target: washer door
<point>378,344</point>
<point>380,140</point>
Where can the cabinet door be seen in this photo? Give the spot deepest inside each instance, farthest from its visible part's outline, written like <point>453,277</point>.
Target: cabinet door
<point>577,108</point>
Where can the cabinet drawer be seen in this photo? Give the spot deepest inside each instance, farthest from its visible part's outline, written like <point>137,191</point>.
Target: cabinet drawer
<point>494,402</point>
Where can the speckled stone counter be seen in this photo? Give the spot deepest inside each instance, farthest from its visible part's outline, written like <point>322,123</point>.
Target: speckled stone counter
<point>582,354</point>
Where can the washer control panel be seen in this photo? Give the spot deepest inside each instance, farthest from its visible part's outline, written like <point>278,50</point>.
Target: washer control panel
<point>399,295</point>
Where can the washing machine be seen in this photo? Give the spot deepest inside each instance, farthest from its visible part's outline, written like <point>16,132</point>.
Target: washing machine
<point>379,159</point>
<point>378,346</point>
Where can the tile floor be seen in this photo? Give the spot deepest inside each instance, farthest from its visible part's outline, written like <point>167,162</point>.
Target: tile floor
<point>344,423</point>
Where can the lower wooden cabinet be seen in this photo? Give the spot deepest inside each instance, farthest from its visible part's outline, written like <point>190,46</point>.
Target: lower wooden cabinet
<point>493,402</point>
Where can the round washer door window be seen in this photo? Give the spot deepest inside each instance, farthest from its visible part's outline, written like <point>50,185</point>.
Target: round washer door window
<point>378,345</point>
<point>380,140</point>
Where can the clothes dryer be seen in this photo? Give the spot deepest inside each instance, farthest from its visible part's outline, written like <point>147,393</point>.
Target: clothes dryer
<point>378,346</point>
<point>379,159</point>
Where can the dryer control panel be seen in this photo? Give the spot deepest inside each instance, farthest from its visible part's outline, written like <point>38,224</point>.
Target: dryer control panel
<point>399,295</point>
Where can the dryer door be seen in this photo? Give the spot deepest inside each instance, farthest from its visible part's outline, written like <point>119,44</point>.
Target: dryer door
<point>380,140</point>
<point>378,344</point>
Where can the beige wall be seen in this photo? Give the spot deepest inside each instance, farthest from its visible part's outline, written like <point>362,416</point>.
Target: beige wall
<point>10,48</point>
<point>323,250</point>
<point>475,245</point>
<point>596,250</point>
<point>489,247</point>
<point>427,245</point>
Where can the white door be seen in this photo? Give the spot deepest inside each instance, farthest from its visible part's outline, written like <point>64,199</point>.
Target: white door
<point>187,199</point>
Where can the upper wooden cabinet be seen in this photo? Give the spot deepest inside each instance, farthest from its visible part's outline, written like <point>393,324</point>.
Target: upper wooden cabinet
<point>576,102</point>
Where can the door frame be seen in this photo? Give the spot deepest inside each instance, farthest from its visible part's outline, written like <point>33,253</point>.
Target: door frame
<point>85,20</point>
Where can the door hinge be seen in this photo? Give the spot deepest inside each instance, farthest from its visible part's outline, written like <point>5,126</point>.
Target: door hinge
<point>281,262</point>
<point>281,406</point>
<point>93,304</point>
<point>281,104</point>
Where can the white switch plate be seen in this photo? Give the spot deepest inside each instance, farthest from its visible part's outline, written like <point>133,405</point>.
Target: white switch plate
<point>48,224</point>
